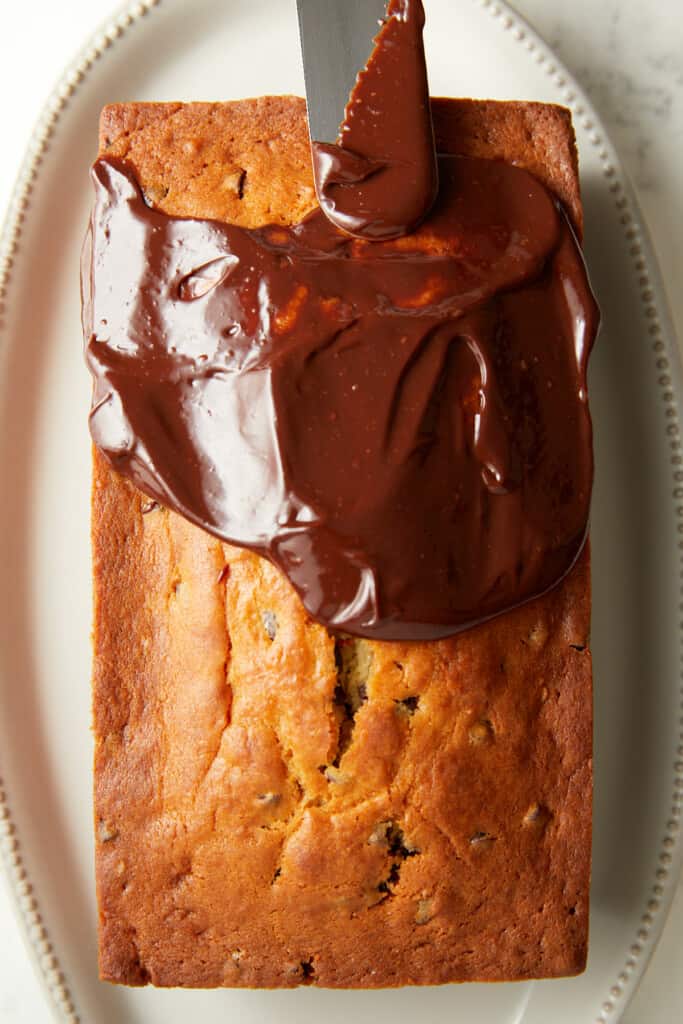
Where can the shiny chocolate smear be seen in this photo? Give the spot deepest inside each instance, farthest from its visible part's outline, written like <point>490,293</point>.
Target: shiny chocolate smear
<point>402,427</point>
<point>381,179</point>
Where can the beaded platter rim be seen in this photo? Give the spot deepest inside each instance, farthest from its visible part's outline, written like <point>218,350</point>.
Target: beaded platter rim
<point>661,341</point>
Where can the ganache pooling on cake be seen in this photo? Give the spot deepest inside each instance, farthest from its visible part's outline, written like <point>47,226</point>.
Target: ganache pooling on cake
<point>401,425</point>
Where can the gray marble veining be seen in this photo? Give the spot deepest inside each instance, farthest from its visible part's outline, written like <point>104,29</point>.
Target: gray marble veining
<point>628,56</point>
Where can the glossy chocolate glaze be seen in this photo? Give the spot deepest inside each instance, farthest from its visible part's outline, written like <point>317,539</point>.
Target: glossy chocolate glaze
<point>401,426</point>
<point>380,180</point>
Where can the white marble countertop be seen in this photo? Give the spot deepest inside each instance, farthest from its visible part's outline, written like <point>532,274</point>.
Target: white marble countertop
<point>629,56</point>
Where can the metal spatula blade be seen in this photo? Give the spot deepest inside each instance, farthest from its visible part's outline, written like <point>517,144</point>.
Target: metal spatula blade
<point>336,41</point>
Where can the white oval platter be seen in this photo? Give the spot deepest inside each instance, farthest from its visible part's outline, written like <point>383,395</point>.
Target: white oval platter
<point>212,49</point>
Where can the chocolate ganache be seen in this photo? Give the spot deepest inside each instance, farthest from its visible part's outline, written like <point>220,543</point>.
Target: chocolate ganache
<point>401,426</point>
<point>380,180</point>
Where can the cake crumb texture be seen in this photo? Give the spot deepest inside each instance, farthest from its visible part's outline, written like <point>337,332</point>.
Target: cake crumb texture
<point>278,806</point>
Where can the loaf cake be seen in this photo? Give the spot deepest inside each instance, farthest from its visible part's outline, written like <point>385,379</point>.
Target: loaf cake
<point>276,805</point>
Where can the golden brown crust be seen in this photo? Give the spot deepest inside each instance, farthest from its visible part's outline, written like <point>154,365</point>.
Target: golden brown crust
<point>536,136</point>
<point>272,808</point>
<point>199,159</point>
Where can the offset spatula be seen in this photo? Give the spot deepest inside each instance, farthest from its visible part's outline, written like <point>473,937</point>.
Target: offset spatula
<point>336,41</point>
<point>377,177</point>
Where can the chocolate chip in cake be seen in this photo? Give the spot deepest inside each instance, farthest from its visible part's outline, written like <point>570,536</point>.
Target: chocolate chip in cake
<point>353,661</point>
<point>407,705</point>
<point>390,834</point>
<point>398,845</point>
<point>307,971</point>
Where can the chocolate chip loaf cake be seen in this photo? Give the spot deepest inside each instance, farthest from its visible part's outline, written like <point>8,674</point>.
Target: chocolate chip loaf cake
<point>277,805</point>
